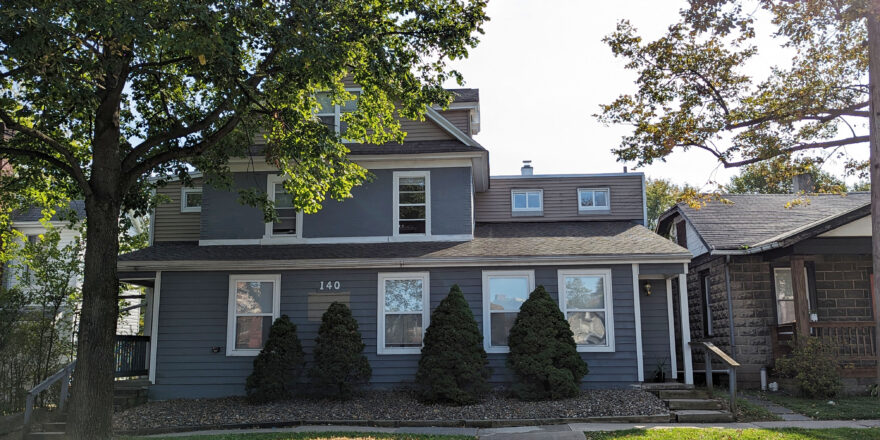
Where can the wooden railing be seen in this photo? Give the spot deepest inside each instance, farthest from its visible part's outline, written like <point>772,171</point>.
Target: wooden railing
<point>854,343</point>
<point>732,365</point>
<point>64,376</point>
<point>132,355</point>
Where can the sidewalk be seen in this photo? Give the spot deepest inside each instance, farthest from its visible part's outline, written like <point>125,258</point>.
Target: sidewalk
<point>572,431</point>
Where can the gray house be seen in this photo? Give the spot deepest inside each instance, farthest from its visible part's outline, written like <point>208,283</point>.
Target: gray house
<point>431,217</point>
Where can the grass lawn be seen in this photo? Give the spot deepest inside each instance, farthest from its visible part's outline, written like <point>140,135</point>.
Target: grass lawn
<point>737,434</point>
<point>844,408</point>
<point>311,436</point>
<point>746,411</point>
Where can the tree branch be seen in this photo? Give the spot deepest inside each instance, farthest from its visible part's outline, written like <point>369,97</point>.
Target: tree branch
<point>831,114</point>
<point>154,64</point>
<point>34,154</point>
<point>796,148</point>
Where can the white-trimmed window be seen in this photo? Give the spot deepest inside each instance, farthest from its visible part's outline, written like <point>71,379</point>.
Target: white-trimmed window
<point>330,114</point>
<point>531,200</point>
<point>585,299</point>
<point>594,199</point>
<point>254,303</point>
<point>289,223</point>
<point>191,199</point>
<point>503,294</point>
<point>404,311</point>
<point>412,203</point>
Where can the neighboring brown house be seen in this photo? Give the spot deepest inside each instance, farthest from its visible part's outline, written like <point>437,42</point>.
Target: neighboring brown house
<point>745,254</point>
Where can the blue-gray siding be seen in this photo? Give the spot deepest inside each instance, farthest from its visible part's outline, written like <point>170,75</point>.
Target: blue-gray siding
<point>655,328</point>
<point>224,217</point>
<point>193,317</point>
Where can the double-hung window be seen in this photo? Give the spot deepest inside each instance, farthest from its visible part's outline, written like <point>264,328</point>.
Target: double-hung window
<point>527,201</point>
<point>782,282</point>
<point>330,114</point>
<point>585,299</point>
<point>503,294</point>
<point>289,219</point>
<point>404,306</point>
<point>593,199</point>
<point>412,203</point>
<point>254,302</point>
<point>191,199</point>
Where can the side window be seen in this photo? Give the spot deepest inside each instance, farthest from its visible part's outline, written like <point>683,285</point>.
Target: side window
<point>190,199</point>
<point>254,301</point>
<point>503,294</point>
<point>706,296</point>
<point>593,199</point>
<point>585,299</point>
<point>527,201</point>
<point>412,203</point>
<point>404,310</point>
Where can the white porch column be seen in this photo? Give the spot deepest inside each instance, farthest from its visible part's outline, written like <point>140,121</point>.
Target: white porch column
<point>673,362</point>
<point>687,358</point>
<point>637,310</point>
<point>154,326</point>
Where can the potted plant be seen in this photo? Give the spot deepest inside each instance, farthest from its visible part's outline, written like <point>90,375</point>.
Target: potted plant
<point>660,371</point>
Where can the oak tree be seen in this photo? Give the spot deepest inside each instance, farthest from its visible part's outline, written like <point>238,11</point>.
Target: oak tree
<point>100,96</point>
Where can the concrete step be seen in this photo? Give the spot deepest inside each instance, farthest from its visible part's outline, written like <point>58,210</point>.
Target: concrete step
<point>655,386</point>
<point>131,384</point>
<point>55,426</point>
<point>693,404</point>
<point>46,435</point>
<point>702,416</point>
<point>682,394</point>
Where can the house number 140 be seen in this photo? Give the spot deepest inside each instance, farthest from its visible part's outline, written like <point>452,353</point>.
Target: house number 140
<point>330,285</point>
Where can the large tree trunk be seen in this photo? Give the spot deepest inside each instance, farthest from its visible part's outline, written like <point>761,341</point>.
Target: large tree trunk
<point>874,81</point>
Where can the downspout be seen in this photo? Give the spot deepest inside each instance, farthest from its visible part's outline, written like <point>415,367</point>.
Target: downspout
<point>729,305</point>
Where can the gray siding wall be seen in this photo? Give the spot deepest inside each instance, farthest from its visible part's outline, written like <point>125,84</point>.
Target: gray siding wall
<point>560,198</point>
<point>461,119</point>
<point>369,213</point>
<point>193,316</point>
<point>655,329</point>
<point>169,224</point>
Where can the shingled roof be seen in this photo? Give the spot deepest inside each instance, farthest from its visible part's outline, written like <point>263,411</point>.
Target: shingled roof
<point>491,240</point>
<point>753,220</point>
<point>76,208</point>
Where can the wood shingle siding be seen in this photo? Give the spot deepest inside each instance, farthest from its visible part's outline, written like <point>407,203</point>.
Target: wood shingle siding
<point>561,198</point>
<point>169,224</point>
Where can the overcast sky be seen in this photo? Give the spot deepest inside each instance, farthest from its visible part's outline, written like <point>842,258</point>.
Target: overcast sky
<point>543,70</point>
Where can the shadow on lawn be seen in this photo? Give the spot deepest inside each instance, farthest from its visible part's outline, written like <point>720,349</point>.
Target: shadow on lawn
<point>738,434</point>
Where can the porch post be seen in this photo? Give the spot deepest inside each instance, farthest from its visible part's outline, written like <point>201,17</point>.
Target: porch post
<point>801,303</point>
<point>685,329</point>
<point>637,311</point>
<point>154,326</point>
<point>673,362</point>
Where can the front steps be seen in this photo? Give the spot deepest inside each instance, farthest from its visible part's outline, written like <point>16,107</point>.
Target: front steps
<point>689,405</point>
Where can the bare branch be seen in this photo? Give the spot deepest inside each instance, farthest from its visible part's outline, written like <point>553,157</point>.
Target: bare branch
<point>817,115</point>
<point>155,64</point>
<point>796,148</point>
<point>34,154</point>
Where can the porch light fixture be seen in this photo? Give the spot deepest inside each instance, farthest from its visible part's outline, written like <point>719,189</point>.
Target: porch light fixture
<point>647,288</point>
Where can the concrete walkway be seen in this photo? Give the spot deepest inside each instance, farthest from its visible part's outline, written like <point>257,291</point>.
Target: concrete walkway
<point>777,410</point>
<point>572,431</point>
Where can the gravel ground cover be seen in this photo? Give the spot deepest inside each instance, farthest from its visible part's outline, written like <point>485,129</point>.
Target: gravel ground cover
<point>381,405</point>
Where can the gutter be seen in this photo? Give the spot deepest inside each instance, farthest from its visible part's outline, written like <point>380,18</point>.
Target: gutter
<point>729,305</point>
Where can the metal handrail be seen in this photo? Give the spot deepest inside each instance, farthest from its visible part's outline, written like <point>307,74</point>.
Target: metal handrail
<point>62,374</point>
<point>732,364</point>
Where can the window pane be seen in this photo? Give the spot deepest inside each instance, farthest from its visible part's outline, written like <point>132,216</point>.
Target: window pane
<point>284,225</point>
<point>508,293</point>
<point>193,199</point>
<point>329,121</point>
<point>412,212</point>
<point>412,197</point>
<point>534,200</point>
<point>251,331</point>
<point>785,310</point>
<point>588,327</point>
<point>403,330</point>
<point>784,290</point>
<point>585,292</point>
<point>519,200</point>
<point>283,199</point>
<point>601,198</point>
<point>253,296</point>
<point>403,295</point>
<point>412,184</point>
<point>411,227</point>
<point>351,106</point>
<point>324,100</point>
<point>501,324</point>
<point>586,198</point>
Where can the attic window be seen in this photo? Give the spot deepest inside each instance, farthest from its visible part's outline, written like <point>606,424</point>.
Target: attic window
<point>191,200</point>
<point>527,200</point>
<point>593,199</point>
<point>330,114</point>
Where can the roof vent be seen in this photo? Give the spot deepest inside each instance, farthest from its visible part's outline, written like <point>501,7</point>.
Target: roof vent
<point>527,169</point>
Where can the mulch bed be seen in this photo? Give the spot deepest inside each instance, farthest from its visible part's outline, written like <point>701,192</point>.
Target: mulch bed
<point>377,406</point>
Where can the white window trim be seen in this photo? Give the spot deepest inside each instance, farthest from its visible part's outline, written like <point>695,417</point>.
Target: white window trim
<point>609,305</point>
<point>540,192</point>
<point>230,323</point>
<point>487,323</point>
<point>594,208</point>
<point>396,227</point>
<point>184,192</point>
<point>271,181</point>
<point>337,114</point>
<point>426,310</point>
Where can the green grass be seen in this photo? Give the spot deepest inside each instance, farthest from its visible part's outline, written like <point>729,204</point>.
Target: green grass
<point>311,436</point>
<point>738,434</point>
<point>844,408</point>
<point>746,411</point>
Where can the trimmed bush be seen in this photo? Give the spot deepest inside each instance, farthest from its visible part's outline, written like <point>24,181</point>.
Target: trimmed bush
<point>340,363</point>
<point>813,366</point>
<point>543,354</point>
<point>278,364</point>
<point>454,366</point>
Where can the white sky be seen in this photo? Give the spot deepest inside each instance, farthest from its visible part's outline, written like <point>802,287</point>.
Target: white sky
<point>543,70</point>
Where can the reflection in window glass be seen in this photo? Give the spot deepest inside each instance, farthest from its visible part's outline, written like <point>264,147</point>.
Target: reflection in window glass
<point>506,295</point>
<point>412,205</point>
<point>402,310</point>
<point>526,200</point>
<point>585,308</point>
<point>286,223</point>
<point>589,199</point>
<point>254,311</point>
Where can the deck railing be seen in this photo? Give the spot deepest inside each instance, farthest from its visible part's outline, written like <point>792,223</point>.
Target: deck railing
<point>132,355</point>
<point>854,343</point>
<point>713,351</point>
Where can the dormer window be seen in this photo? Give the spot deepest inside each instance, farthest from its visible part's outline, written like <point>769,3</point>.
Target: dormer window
<point>289,218</point>
<point>527,201</point>
<point>191,199</point>
<point>330,114</point>
<point>412,203</point>
<point>593,199</point>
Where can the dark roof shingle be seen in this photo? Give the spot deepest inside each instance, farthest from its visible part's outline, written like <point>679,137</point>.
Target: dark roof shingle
<point>35,213</point>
